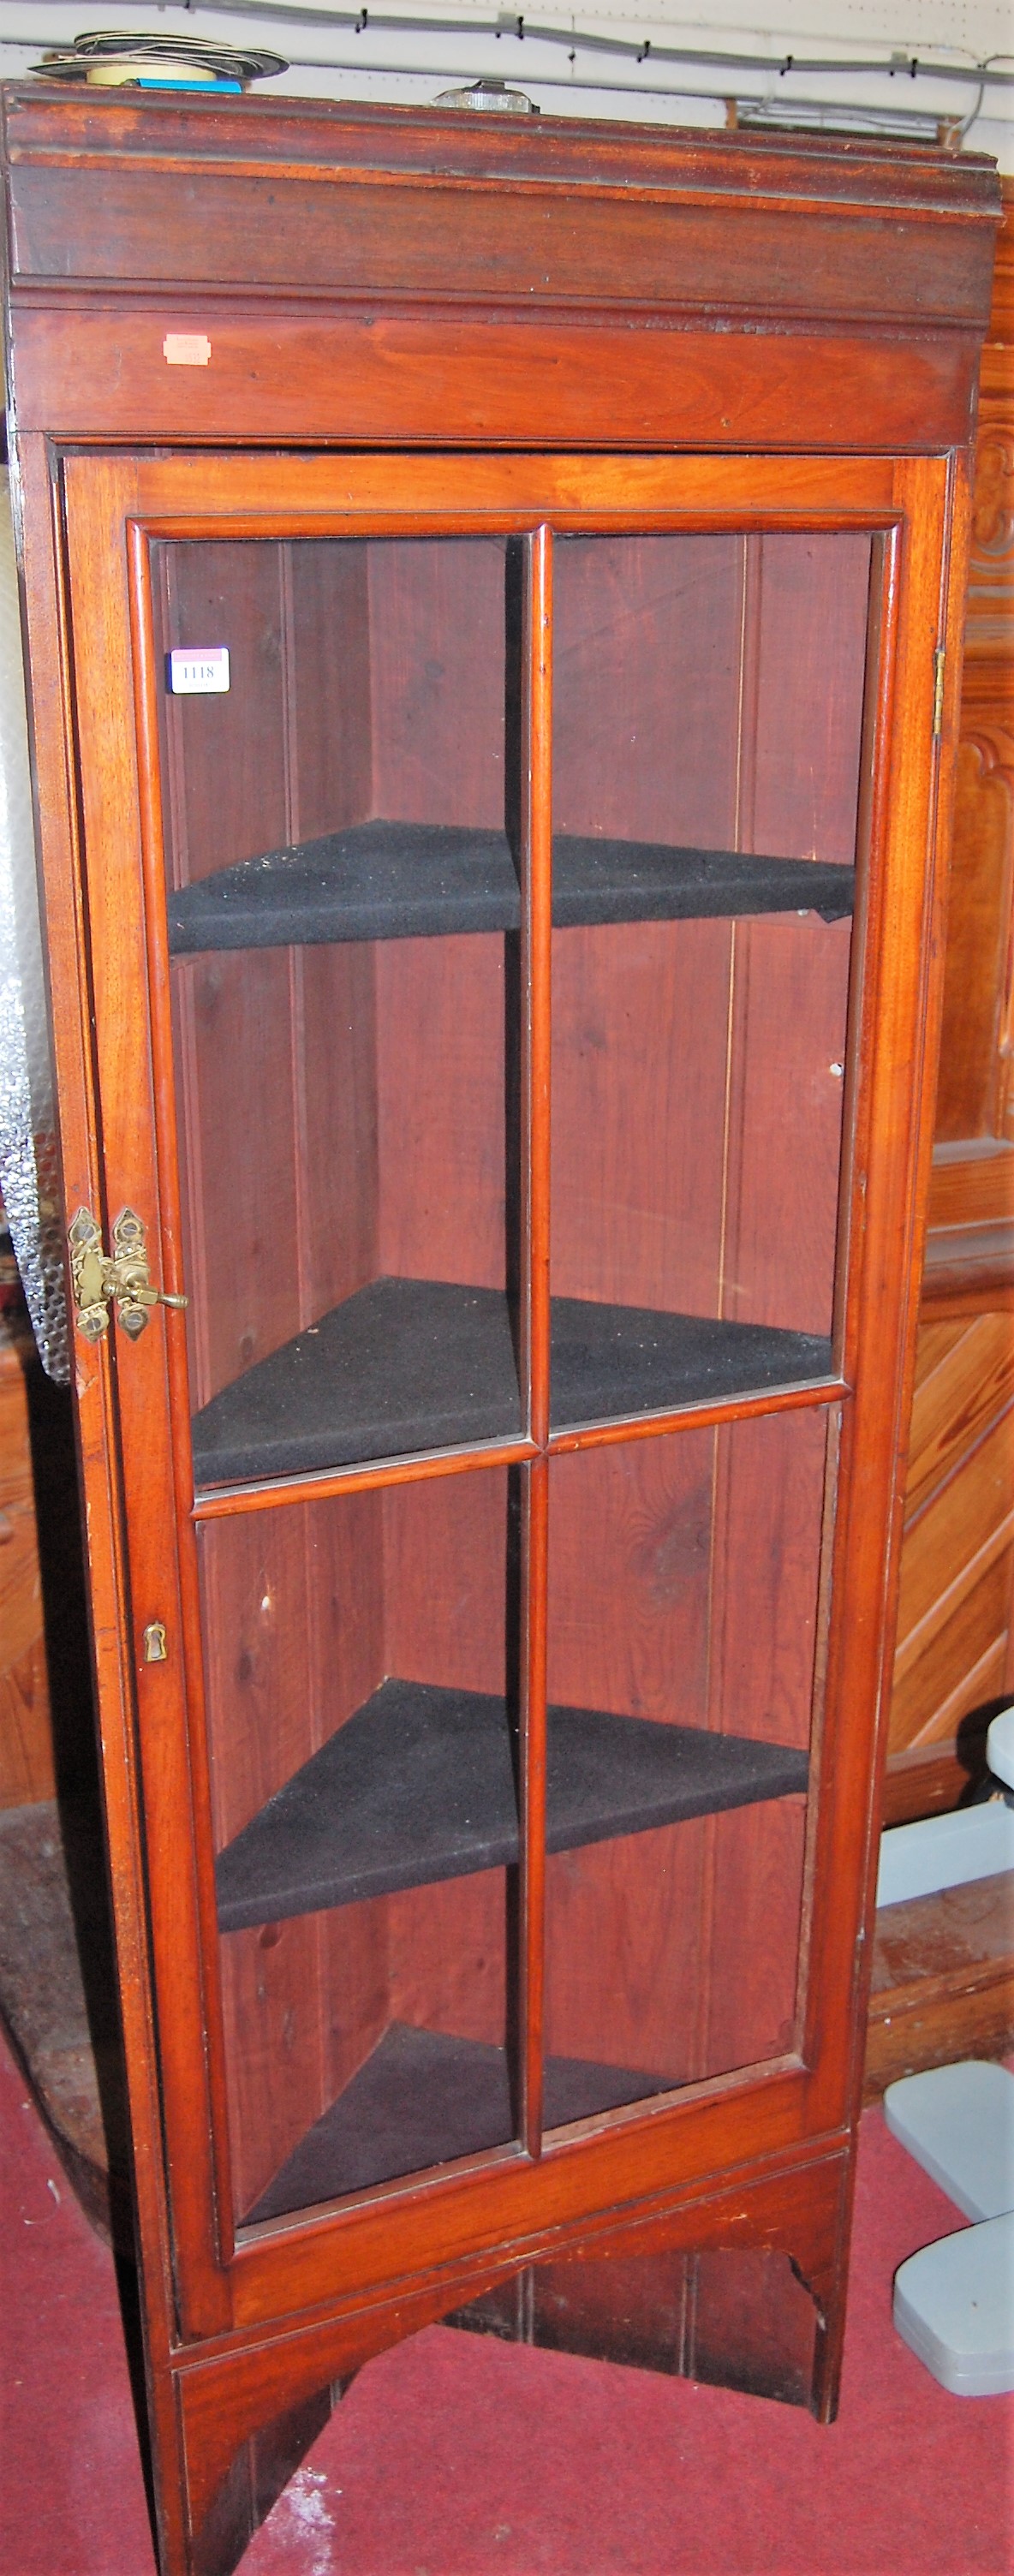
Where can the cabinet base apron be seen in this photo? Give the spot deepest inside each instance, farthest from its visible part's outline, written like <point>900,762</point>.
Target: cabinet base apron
<point>743,2288</point>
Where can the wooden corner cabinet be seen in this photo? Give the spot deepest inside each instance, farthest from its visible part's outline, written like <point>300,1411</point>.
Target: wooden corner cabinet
<point>493,602</point>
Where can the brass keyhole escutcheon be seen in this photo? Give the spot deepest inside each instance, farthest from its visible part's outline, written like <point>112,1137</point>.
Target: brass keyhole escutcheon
<point>156,1650</point>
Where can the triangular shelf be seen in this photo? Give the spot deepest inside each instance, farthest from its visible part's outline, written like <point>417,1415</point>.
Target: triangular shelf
<point>408,1364</point>
<point>387,880</point>
<point>419,1785</point>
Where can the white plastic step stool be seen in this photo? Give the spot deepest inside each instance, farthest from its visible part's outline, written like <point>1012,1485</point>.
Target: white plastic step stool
<point>954,2307</point>
<point>954,2301</point>
<point>958,2123</point>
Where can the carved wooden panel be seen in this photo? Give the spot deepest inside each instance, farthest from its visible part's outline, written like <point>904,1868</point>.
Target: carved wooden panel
<point>955,1658</point>
<point>958,1559</point>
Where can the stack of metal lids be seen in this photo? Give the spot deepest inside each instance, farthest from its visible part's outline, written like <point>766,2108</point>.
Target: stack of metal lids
<point>115,60</point>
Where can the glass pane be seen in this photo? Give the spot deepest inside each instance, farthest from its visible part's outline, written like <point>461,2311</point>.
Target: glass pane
<point>708,722</point>
<point>343,907</point>
<point>362,1720</point>
<point>683,1589</point>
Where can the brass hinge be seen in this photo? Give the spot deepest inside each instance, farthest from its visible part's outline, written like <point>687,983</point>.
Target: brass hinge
<point>96,1278</point>
<point>939,660</point>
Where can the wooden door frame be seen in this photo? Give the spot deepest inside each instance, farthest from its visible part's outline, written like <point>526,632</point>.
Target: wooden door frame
<point>300,2263</point>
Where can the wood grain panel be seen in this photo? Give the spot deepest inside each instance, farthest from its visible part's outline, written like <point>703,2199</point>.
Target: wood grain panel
<point>640,1017</point>
<point>450,1581</point>
<point>327,679</point>
<point>953,1659</point>
<point>630,1532</point>
<point>769,1511</point>
<point>748,1984</point>
<point>227,757</point>
<point>952,1530</point>
<point>623,1957</point>
<point>304,2002</point>
<point>258,1669</point>
<point>293,1623</point>
<point>966,1629</point>
<point>786,1090</point>
<point>294,1627</point>
<point>961,1664</point>
<point>943,1981</point>
<point>438,679</point>
<point>337,1139</point>
<point>354,1956</point>
<point>683,1585</point>
<point>240,1122</point>
<point>275,2057</point>
<point>811,605</point>
<point>965,1381</point>
<point>448,1956</point>
<point>646,662</point>
<point>976,1040</point>
<point>448,1161</point>
<point>740,665</point>
<point>286,1197</point>
<point>932,1345</point>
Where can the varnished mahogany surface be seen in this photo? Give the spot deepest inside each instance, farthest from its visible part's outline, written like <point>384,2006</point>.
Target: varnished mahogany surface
<point>377,278</point>
<point>88,197</point>
<point>486,256</point>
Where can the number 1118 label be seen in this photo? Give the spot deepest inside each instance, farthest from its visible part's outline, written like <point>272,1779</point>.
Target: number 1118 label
<point>201,672</point>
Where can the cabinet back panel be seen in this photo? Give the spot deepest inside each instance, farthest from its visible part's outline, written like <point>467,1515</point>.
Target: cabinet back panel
<point>804,684</point>
<point>684,1573</point>
<point>227,756</point>
<point>438,677</point>
<point>629,1557</point>
<point>451,1581</point>
<point>623,1951</point>
<point>293,1616</point>
<point>767,1543</point>
<point>646,687</point>
<point>640,1050</point>
<point>684,1586</point>
<point>237,1090</point>
<point>786,1091</point>
<point>307,1609</point>
<point>748,1998</point>
<point>276,1075</point>
<point>304,2003</point>
<point>327,684</point>
<point>448,1956</point>
<point>337,1147</point>
<point>676,1951</point>
<point>275,2046</point>
<point>697,1097</point>
<point>448,1132</point>
<point>284,753</point>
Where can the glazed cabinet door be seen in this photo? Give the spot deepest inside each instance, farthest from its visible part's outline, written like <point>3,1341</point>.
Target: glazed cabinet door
<point>503,1077</point>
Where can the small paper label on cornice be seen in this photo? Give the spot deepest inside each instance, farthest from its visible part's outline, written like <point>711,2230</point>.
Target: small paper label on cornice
<point>186,349</point>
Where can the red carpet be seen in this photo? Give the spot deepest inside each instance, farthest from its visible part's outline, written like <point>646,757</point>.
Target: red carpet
<point>457,2456</point>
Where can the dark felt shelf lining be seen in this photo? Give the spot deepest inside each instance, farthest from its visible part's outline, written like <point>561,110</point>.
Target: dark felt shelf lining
<point>418,1786</point>
<point>389,880</point>
<point>423,2097</point>
<point>409,1364</point>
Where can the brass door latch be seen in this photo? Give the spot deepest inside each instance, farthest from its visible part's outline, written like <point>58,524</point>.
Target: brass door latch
<point>124,1277</point>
